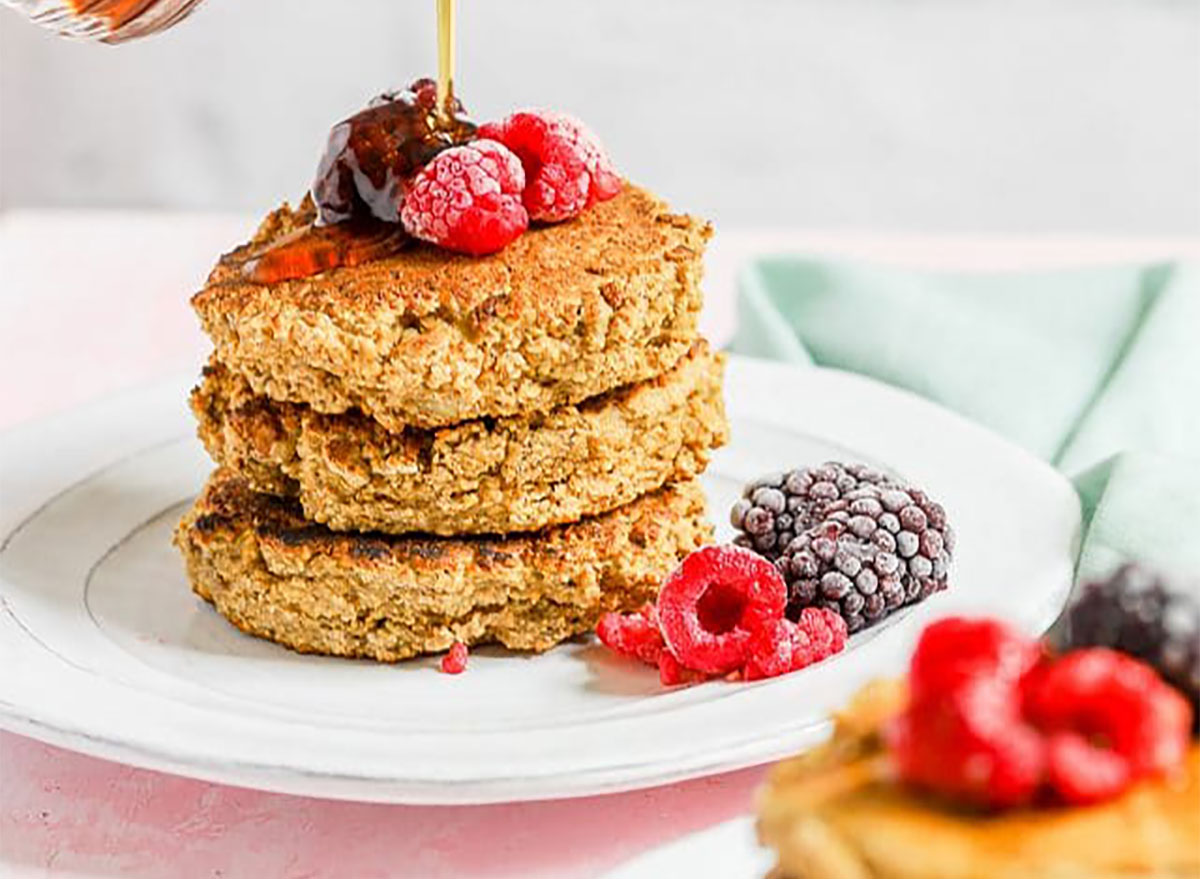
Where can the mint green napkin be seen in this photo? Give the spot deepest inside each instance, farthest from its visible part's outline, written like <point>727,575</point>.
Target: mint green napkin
<point>1095,370</point>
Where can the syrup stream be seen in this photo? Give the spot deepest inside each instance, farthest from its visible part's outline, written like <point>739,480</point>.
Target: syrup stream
<point>445,77</point>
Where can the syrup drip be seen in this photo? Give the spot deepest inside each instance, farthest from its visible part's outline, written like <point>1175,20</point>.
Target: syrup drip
<point>366,169</point>
<point>317,249</point>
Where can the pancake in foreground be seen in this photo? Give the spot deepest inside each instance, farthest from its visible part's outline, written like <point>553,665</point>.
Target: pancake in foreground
<point>428,338</point>
<point>274,575</point>
<point>483,477</point>
<point>835,813</point>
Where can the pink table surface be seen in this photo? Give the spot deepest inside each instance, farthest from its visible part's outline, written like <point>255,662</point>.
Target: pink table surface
<point>91,303</point>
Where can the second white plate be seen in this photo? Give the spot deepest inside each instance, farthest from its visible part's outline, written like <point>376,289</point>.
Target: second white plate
<point>104,649</point>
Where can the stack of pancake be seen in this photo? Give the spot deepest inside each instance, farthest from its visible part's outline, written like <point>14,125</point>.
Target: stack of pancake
<point>431,448</point>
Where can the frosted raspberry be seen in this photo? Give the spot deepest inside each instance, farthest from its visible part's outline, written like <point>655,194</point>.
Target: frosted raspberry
<point>468,199</point>
<point>1081,773</point>
<point>712,604</point>
<point>1110,697</point>
<point>455,662</point>
<point>635,634</point>
<point>838,629</point>
<point>566,167</point>
<point>671,673</point>
<point>958,648</point>
<point>771,648</point>
<point>970,744</point>
<point>814,622</point>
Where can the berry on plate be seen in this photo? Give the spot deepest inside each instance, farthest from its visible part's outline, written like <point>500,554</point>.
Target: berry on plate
<point>636,634</point>
<point>848,538</point>
<point>468,199</point>
<point>721,613</point>
<point>711,605</point>
<point>776,508</point>
<point>566,167</point>
<point>455,661</point>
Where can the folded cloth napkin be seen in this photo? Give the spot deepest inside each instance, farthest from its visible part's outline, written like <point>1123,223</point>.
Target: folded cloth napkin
<point>1095,370</point>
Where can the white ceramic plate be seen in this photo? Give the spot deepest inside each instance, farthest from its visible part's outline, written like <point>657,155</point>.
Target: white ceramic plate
<point>728,850</point>
<point>104,649</point>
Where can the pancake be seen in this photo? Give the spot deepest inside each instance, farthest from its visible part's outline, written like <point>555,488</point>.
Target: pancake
<point>488,476</point>
<point>275,575</point>
<point>428,338</point>
<point>837,813</point>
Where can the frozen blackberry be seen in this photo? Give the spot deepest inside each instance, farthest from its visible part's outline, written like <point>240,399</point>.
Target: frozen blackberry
<point>1140,612</point>
<point>775,508</point>
<point>881,547</point>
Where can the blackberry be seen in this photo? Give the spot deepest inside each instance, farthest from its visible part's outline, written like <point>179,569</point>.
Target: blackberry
<point>774,509</point>
<point>1138,611</point>
<point>880,547</point>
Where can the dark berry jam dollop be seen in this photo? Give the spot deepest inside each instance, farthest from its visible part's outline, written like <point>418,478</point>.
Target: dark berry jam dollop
<point>371,156</point>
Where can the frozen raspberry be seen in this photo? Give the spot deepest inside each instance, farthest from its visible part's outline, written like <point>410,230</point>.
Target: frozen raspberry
<point>778,647</point>
<point>671,673</point>
<point>970,744</point>
<point>781,646</point>
<point>468,199</point>
<point>837,628</point>
<point>1110,697</point>
<point>636,634</point>
<point>566,167</point>
<point>1080,773</point>
<point>455,662</point>
<point>712,603</point>
<point>814,622</point>
<point>955,649</point>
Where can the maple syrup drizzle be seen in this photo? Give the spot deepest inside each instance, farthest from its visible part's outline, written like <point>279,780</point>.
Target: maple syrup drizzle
<point>365,170</point>
<point>317,249</point>
<point>445,77</point>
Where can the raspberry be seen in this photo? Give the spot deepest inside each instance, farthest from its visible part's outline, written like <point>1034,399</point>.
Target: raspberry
<point>1110,697</point>
<point>781,646</point>
<point>815,625</point>
<point>671,673</point>
<point>837,627</point>
<point>970,744</point>
<point>955,649</point>
<point>455,662</point>
<point>468,199</point>
<point>636,634</point>
<point>711,604</point>
<point>778,647</point>
<point>566,167</point>
<point>1081,773</point>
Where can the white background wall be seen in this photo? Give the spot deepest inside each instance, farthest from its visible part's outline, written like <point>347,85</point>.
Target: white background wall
<point>1005,116</point>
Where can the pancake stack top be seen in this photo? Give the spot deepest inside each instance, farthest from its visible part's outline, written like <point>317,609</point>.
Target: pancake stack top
<point>430,448</point>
